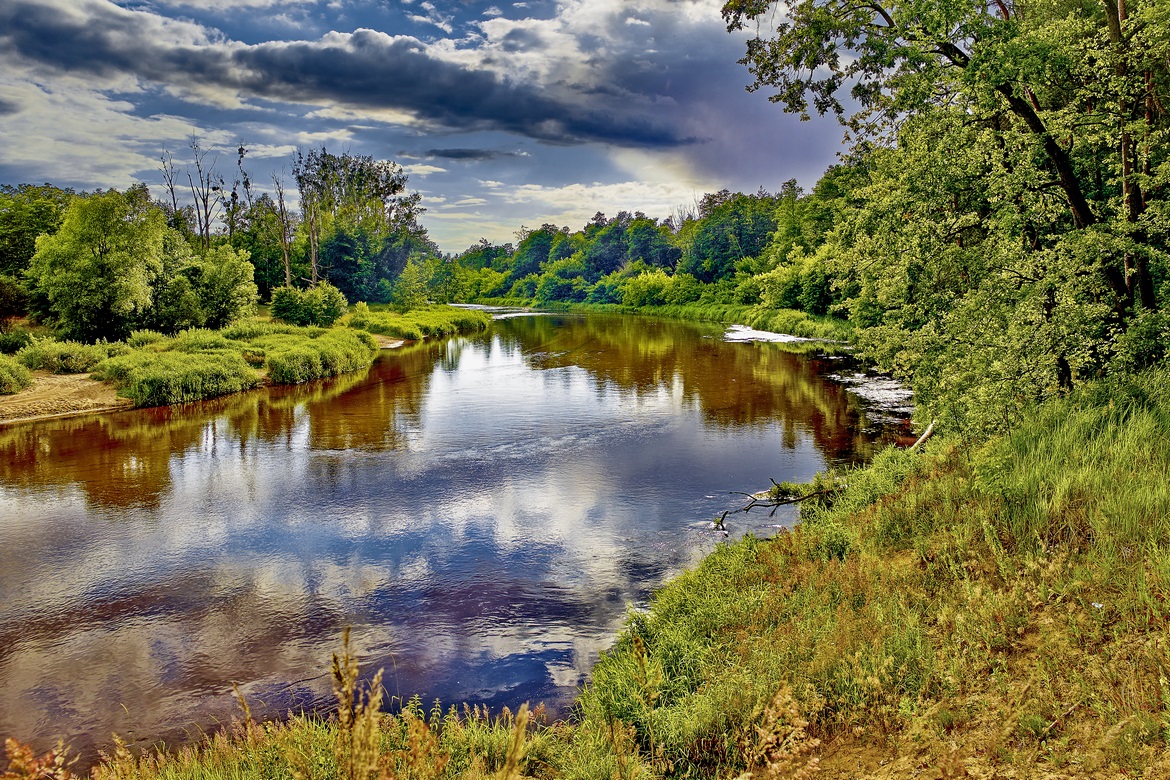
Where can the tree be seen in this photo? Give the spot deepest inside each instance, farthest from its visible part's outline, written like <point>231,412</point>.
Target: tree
<point>96,270</point>
<point>1009,224</point>
<point>206,190</point>
<point>355,191</point>
<point>227,291</point>
<point>27,211</point>
<point>1038,69</point>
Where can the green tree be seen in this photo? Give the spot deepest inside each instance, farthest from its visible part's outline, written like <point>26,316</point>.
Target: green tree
<point>410,290</point>
<point>27,211</point>
<point>96,270</point>
<point>227,290</point>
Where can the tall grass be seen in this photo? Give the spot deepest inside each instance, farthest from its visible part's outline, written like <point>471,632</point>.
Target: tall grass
<point>160,378</point>
<point>417,324</point>
<point>66,357</point>
<point>293,358</point>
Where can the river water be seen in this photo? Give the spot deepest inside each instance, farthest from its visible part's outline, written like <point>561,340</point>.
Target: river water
<point>482,511</point>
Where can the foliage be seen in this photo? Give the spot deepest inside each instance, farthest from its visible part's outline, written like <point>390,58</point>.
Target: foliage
<point>14,339</point>
<point>27,211</point>
<point>13,301</point>
<point>64,357</point>
<point>14,377</point>
<point>1002,224</point>
<point>97,268</point>
<point>322,305</point>
<point>151,378</point>
<point>410,290</point>
<point>227,289</point>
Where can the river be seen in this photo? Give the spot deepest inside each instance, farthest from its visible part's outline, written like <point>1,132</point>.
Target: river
<point>482,511</point>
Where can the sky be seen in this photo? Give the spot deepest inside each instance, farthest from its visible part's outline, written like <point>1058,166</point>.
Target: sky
<point>504,114</point>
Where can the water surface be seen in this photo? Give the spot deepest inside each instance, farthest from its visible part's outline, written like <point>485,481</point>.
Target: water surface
<point>482,511</point>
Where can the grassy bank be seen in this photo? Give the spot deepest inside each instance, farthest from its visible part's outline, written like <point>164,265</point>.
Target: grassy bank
<point>995,608</point>
<point>417,324</point>
<point>155,370</point>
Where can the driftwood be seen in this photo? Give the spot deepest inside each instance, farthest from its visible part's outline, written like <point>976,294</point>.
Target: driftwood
<point>766,499</point>
<point>925,435</point>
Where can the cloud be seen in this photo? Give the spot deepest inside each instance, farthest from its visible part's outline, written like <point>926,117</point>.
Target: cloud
<point>472,154</point>
<point>362,70</point>
<point>423,170</point>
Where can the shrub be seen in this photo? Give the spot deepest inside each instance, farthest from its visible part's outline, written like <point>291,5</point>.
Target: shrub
<point>13,376</point>
<point>14,340</point>
<point>322,305</point>
<point>288,304</point>
<point>62,357</point>
<point>160,378</point>
<point>140,338</point>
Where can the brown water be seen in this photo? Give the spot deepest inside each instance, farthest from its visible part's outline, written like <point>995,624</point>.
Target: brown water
<point>482,511</point>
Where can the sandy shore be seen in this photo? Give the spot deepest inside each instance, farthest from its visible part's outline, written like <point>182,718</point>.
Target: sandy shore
<point>60,395</point>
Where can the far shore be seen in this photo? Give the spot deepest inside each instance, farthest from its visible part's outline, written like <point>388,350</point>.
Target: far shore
<point>54,396</point>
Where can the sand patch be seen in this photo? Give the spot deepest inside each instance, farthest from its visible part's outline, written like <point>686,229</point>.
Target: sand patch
<point>60,395</point>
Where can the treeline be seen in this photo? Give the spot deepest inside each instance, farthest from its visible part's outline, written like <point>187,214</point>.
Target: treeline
<point>101,265</point>
<point>730,248</point>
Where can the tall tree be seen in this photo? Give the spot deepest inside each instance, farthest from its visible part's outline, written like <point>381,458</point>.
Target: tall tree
<point>96,270</point>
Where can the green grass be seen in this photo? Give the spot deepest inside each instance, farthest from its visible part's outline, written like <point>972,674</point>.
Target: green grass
<point>292,359</point>
<point>14,377</point>
<point>160,378</point>
<point>196,364</point>
<point>66,357</point>
<point>417,324</point>
<point>153,369</point>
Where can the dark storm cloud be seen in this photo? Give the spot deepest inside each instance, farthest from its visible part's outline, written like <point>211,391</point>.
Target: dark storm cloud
<point>7,107</point>
<point>364,70</point>
<point>476,155</point>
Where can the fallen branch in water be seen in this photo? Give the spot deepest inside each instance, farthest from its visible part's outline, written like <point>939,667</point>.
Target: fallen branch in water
<point>925,435</point>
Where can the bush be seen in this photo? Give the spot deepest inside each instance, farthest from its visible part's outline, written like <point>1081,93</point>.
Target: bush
<point>14,340</point>
<point>322,305</point>
<point>161,378</point>
<point>62,357</point>
<point>288,304</point>
<point>291,360</point>
<point>13,376</point>
<point>141,338</point>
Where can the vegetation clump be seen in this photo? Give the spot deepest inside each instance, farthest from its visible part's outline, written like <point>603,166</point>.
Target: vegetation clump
<point>65,357</point>
<point>14,377</point>
<point>426,322</point>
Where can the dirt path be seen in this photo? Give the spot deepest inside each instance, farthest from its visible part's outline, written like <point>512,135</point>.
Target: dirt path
<point>60,395</point>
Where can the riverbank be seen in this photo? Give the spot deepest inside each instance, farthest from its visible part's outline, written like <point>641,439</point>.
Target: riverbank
<point>981,609</point>
<point>154,370</point>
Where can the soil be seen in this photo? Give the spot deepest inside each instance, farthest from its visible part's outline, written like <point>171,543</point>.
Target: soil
<point>60,395</point>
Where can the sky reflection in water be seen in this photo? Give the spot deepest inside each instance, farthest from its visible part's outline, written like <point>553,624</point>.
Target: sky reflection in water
<point>482,511</point>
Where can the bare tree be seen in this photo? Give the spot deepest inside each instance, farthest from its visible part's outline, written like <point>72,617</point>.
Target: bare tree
<point>285,224</point>
<point>206,190</point>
